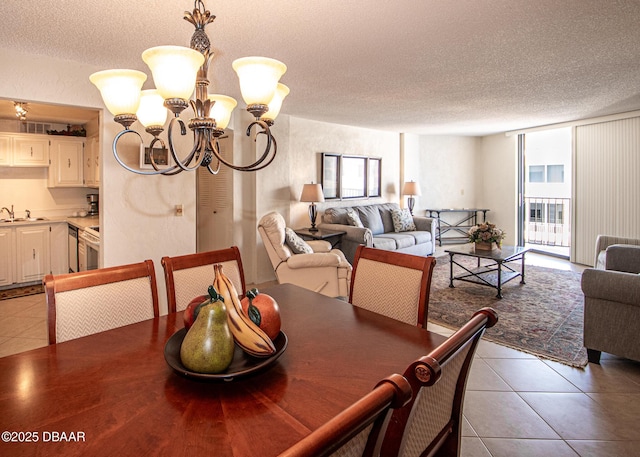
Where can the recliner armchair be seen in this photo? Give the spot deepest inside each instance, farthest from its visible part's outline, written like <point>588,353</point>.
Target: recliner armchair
<point>325,270</point>
<point>612,304</point>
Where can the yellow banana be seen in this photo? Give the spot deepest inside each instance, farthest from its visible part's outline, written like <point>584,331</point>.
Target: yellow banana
<point>251,338</point>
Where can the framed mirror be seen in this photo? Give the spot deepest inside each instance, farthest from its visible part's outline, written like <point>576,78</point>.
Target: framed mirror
<point>351,177</point>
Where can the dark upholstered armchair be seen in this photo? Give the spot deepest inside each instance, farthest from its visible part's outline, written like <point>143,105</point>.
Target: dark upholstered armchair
<point>612,304</point>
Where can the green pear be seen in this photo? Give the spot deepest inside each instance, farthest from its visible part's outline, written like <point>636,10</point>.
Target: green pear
<point>208,345</point>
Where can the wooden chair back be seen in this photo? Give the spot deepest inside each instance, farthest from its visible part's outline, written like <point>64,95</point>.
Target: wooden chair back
<point>87,302</point>
<point>431,423</point>
<point>357,430</point>
<point>394,284</point>
<point>188,276</point>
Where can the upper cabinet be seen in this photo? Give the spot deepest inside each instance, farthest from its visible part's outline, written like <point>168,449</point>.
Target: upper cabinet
<point>24,150</point>
<point>92,162</point>
<point>67,162</point>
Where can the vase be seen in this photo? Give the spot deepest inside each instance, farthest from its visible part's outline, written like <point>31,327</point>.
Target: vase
<point>485,246</point>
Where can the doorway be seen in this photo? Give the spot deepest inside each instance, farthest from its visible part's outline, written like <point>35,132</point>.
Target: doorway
<point>544,187</point>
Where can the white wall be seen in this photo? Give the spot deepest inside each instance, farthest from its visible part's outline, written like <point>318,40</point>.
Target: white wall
<point>497,185</point>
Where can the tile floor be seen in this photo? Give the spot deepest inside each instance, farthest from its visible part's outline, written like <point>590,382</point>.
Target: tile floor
<point>516,404</point>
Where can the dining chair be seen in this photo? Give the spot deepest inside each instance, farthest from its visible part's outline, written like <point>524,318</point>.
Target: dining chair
<point>431,423</point>
<point>188,276</point>
<point>391,283</point>
<point>357,430</point>
<point>87,302</point>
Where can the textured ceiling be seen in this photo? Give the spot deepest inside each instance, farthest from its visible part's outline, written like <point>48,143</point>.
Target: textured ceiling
<point>467,67</point>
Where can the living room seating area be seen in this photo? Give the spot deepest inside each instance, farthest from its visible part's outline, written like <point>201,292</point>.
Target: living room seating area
<point>382,226</point>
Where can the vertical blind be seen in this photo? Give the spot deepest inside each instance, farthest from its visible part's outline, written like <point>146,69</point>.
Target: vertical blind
<point>607,184</point>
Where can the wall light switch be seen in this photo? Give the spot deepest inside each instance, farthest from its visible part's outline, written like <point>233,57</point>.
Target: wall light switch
<point>179,211</point>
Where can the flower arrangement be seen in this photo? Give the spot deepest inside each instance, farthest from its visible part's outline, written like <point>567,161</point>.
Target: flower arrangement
<point>487,233</point>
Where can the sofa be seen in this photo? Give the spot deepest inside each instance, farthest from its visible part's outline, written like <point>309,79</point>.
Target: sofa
<point>612,304</point>
<point>374,226</point>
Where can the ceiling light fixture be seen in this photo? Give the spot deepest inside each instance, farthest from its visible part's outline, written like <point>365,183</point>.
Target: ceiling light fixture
<point>176,71</point>
<point>21,110</point>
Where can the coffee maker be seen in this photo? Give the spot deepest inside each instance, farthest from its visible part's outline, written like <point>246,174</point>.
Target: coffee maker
<point>92,199</point>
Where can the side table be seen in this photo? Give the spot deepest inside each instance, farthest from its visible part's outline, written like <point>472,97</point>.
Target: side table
<point>335,238</point>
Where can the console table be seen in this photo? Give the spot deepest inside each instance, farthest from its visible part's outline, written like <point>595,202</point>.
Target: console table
<point>468,218</point>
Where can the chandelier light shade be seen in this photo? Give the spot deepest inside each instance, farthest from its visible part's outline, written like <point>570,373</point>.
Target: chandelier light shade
<point>180,73</point>
<point>312,193</point>
<point>174,70</point>
<point>276,103</point>
<point>221,109</point>
<point>120,89</point>
<point>151,112</point>
<point>21,110</point>
<point>411,188</point>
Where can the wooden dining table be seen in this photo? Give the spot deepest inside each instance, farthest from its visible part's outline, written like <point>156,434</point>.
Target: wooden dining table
<point>113,393</point>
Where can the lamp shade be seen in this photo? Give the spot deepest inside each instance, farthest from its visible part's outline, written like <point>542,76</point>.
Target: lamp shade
<point>221,109</point>
<point>120,89</point>
<point>411,188</point>
<point>312,193</point>
<point>151,111</point>
<point>258,78</point>
<point>276,103</point>
<point>174,69</point>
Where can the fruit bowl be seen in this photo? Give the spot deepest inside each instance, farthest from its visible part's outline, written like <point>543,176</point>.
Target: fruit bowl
<point>242,364</point>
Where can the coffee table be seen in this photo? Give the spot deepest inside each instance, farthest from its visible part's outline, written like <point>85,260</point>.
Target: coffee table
<point>494,274</point>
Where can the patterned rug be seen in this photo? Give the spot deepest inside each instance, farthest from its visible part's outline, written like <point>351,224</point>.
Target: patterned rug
<point>543,317</point>
<point>21,291</point>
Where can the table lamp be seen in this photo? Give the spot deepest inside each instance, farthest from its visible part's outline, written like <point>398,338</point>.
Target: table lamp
<point>312,193</point>
<point>411,188</point>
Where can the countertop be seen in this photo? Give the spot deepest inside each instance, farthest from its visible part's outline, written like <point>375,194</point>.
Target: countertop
<point>78,222</point>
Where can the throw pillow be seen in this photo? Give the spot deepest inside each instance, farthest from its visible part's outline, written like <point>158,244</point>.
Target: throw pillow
<point>353,218</point>
<point>295,243</point>
<point>402,220</point>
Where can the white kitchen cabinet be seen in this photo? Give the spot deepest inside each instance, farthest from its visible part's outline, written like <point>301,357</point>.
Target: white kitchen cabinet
<point>6,151</point>
<point>6,256</point>
<point>59,239</point>
<point>18,150</point>
<point>32,252</point>
<point>66,169</point>
<point>92,162</point>
<point>30,151</point>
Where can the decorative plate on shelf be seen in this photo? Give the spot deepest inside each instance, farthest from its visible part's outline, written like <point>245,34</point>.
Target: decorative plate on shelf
<point>242,364</point>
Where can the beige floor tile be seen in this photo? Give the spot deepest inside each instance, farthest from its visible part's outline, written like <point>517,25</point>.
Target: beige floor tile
<point>504,415</point>
<point>473,447</point>
<point>467,429</point>
<point>530,375</point>
<point>606,448</point>
<point>14,326</point>
<point>489,350</point>
<point>16,345</point>
<point>577,416</point>
<point>611,376</point>
<point>500,447</point>
<point>483,377</point>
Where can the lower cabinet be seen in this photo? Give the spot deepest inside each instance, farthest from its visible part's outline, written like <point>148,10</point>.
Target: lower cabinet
<point>7,257</point>
<point>32,252</point>
<point>35,250</point>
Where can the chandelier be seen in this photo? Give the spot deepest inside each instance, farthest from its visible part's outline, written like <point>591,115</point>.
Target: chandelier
<point>176,72</point>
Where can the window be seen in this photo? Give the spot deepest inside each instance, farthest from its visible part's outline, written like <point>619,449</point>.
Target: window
<point>555,173</point>
<point>351,176</point>
<point>556,213</point>
<point>536,173</point>
<point>536,212</point>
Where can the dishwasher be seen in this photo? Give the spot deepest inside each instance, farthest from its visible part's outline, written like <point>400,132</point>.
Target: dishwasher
<point>73,249</point>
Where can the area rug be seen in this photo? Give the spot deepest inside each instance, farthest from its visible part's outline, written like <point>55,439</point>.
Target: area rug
<point>543,317</point>
<point>21,291</point>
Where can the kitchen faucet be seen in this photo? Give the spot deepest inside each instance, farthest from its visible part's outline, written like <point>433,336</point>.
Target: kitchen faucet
<point>11,214</point>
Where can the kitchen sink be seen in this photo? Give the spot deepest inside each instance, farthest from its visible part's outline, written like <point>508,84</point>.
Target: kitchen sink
<point>23,219</point>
